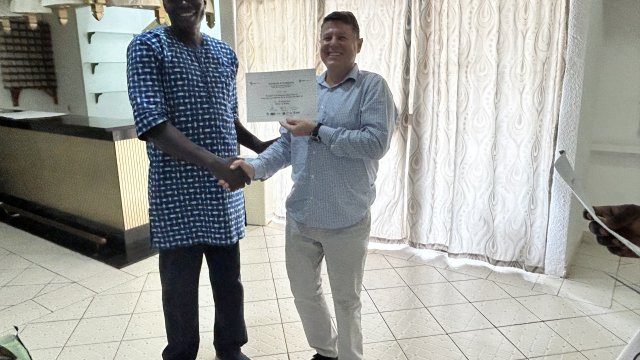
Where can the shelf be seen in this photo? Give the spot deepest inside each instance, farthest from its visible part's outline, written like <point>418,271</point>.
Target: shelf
<point>614,148</point>
<point>111,32</point>
<point>97,95</point>
<point>95,64</point>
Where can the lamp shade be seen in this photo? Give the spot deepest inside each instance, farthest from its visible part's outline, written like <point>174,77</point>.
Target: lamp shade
<point>210,14</point>
<point>29,8</point>
<point>140,4</point>
<point>97,8</point>
<point>62,7</point>
<point>6,15</point>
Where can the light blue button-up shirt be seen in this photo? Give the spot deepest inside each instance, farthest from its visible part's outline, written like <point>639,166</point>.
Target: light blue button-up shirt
<point>334,179</point>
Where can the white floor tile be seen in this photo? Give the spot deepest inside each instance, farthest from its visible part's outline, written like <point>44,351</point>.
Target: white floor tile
<point>505,312</point>
<point>147,301</point>
<point>145,325</point>
<point>536,339</point>
<point>485,345</point>
<point>548,307</point>
<point>419,275</point>
<point>47,335</point>
<point>254,256</point>
<point>109,305</point>
<point>480,290</point>
<point>33,276</point>
<point>45,354</point>
<point>383,278</point>
<point>626,297</point>
<point>106,351</point>
<point>431,348</point>
<point>412,323</point>
<point>16,294</point>
<point>264,312</point>
<point>141,349</point>
<point>21,314</point>
<point>265,340</point>
<point>374,329</point>
<point>622,324</point>
<point>106,279</point>
<point>64,296</point>
<point>387,350</point>
<point>604,354</point>
<point>275,240</point>
<point>567,356</point>
<point>438,294</point>
<point>254,272</point>
<point>376,262</point>
<point>259,290</point>
<point>276,253</point>
<point>295,337</point>
<point>584,333</point>
<point>391,299</point>
<point>99,330</point>
<point>460,317</point>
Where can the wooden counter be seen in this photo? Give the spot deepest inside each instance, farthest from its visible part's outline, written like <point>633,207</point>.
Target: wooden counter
<point>80,173</point>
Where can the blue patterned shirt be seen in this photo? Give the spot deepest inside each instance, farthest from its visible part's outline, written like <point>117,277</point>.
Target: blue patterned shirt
<point>195,90</point>
<point>334,179</point>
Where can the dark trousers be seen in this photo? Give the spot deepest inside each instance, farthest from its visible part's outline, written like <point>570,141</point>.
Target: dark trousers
<point>179,274</point>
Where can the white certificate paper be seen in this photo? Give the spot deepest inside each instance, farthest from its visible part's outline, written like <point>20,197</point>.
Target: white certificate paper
<point>276,95</point>
<point>565,170</point>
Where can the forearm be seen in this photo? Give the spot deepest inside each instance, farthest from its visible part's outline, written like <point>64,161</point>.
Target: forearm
<point>174,143</point>
<point>246,138</point>
<point>364,143</point>
<point>276,157</point>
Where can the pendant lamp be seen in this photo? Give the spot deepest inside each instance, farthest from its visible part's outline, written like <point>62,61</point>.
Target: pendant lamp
<point>6,15</point>
<point>97,8</point>
<point>156,5</point>
<point>210,14</point>
<point>30,9</point>
<point>61,7</point>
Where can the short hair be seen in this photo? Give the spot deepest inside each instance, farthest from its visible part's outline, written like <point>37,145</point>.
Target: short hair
<point>346,17</point>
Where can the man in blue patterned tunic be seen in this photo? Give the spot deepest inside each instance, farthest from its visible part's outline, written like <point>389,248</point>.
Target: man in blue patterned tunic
<point>182,87</point>
<point>334,161</point>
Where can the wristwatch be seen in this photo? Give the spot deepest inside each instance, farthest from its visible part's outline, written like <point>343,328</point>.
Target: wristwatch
<point>314,133</point>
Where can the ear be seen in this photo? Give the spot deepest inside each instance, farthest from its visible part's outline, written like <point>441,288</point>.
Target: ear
<point>359,45</point>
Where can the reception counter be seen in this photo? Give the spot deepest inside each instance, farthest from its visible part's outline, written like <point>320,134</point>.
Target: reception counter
<point>85,175</point>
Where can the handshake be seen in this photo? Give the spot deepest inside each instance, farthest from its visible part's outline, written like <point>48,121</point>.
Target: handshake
<point>234,174</point>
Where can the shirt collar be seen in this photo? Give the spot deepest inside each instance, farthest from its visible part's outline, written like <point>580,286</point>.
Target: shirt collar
<point>353,74</point>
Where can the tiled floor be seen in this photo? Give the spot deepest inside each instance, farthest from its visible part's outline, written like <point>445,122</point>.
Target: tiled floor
<point>417,305</point>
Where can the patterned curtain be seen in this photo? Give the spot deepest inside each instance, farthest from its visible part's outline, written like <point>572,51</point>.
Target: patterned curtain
<point>477,84</point>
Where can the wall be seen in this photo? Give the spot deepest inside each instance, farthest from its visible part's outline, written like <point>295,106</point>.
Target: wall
<point>612,103</point>
<point>601,113</point>
<point>108,49</point>
<point>564,209</point>
<point>66,57</point>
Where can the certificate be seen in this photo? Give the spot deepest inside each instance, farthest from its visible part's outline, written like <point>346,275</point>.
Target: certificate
<point>276,95</point>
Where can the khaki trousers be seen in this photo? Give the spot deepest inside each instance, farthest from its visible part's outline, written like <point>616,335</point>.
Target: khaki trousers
<point>345,252</point>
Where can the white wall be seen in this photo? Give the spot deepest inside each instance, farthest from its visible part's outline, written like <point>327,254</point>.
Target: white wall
<point>600,119</point>
<point>563,209</point>
<point>108,47</point>
<point>612,103</point>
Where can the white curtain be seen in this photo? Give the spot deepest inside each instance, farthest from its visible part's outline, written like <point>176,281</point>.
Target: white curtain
<point>477,84</point>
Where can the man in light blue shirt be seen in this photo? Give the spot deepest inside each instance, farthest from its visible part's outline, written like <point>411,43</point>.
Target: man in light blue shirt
<point>334,161</point>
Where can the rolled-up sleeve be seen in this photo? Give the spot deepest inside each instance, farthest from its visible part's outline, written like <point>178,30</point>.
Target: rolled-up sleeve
<point>145,86</point>
<point>377,117</point>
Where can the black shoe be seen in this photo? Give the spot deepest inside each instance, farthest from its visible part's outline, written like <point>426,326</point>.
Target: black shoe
<point>238,356</point>
<point>320,357</point>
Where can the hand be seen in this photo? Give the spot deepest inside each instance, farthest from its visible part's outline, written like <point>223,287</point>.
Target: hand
<point>234,178</point>
<point>263,145</point>
<point>242,166</point>
<point>623,219</point>
<point>299,127</point>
